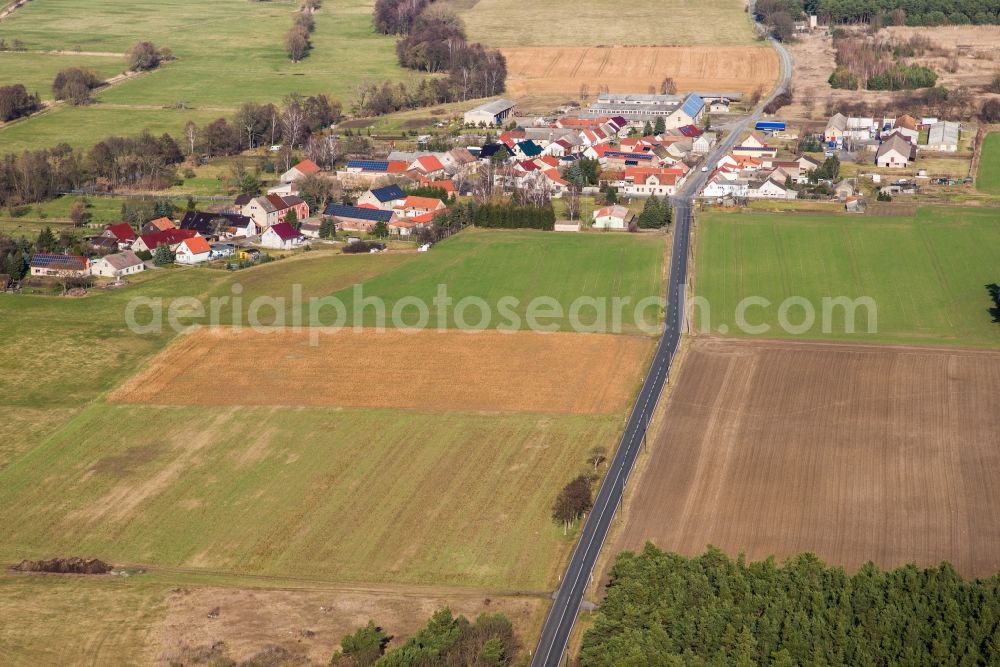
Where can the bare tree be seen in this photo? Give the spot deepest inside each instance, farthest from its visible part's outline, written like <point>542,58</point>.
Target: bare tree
<point>597,456</point>
<point>573,201</point>
<point>293,120</point>
<point>584,92</point>
<point>191,132</point>
<point>668,87</point>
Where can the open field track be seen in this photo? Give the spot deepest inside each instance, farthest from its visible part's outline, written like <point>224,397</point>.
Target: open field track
<point>430,370</point>
<point>562,70</point>
<point>857,453</point>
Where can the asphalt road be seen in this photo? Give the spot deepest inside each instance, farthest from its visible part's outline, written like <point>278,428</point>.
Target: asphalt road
<point>580,570</point>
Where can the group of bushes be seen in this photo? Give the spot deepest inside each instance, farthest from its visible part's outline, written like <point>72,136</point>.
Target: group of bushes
<point>297,42</point>
<point>74,84</point>
<point>877,63</point>
<point>445,640</point>
<point>512,216</point>
<point>16,101</point>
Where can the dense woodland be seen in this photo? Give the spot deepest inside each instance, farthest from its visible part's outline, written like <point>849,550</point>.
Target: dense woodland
<point>889,12</point>
<point>665,609</point>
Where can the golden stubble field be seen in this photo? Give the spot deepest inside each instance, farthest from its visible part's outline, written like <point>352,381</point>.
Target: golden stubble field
<point>563,70</point>
<point>439,370</point>
<point>853,452</point>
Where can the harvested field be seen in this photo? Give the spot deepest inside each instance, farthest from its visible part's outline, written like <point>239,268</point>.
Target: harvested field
<point>598,22</point>
<point>453,370</point>
<point>853,452</point>
<point>562,70</point>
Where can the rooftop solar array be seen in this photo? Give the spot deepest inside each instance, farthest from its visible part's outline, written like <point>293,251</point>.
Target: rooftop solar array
<point>345,211</point>
<point>369,165</point>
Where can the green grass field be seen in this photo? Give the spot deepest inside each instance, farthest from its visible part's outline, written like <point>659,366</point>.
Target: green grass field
<point>926,274</point>
<point>526,265</point>
<point>446,498</point>
<point>988,173</point>
<point>37,70</point>
<point>596,23</point>
<point>229,52</point>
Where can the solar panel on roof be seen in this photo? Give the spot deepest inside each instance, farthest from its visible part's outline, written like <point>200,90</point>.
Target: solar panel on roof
<point>346,211</point>
<point>369,165</point>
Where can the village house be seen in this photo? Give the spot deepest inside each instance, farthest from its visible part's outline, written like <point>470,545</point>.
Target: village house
<point>613,217</point>
<point>170,238</point>
<point>122,233</point>
<point>62,266</point>
<point>726,184</point>
<point>158,225</point>
<point>120,264</point>
<point>281,236</point>
<point>427,165</point>
<point>412,206</point>
<point>770,188</point>
<point>304,168</point>
<point>895,152</point>
<point>703,143</point>
<point>907,126</point>
<point>219,225</point>
<point>490,113</point>
<point>194,250</point>
<point>357,219</point>
<point>269,210</point>
<point>103,244</point>
<point>755,146</point>
<point>385,198</point>
<point>649,181</point>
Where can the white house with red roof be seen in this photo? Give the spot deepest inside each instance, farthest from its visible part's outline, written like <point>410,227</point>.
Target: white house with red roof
<point>427,165</point>
<point>650,182</point>
<point>304,168</point>
<point>282,236</point>
<point>613,217</point>
<point>194,250</point>
<point>413,206</point>
<point>755,146</point>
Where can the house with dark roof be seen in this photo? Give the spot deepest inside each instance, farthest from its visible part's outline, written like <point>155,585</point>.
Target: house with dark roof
<point>282,236</point>
<point>122,233</point>
<point>170,238</point>
<point>74,266</point>
<point>527,149</point>
<point>489,150</point>
<point>385,198</point>
<point>357,219</point>
<point>219,225</point>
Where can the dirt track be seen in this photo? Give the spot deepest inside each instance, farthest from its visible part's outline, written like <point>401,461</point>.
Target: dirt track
<point>451,370</point>
<point>854,452</point>
<point>562,70</point>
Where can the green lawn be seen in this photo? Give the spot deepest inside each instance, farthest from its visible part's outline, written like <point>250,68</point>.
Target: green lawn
<point>597,22</point>
<point>926,275</point>
<point>229,52</point>
<point>492,265</point>
<point>988,174</point>
<point>37,70</point>
<point>82,127</point>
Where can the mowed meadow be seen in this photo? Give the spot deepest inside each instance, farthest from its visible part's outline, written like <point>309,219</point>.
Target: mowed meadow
<point>228,52</point>
<point>926,274</point>
<point>988,173</point>
<point>437,494</point>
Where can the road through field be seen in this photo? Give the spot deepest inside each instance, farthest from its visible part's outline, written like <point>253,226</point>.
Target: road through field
<point>569,596</point>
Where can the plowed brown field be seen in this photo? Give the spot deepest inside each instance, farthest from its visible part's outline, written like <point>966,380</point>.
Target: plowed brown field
<point>450,370</point>
<point>856,453</point>
<point>562,70</point>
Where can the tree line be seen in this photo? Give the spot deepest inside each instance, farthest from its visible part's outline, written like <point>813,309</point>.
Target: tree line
<point>892,12</point>
<point>447,641</point>
<point>513,216</point>
<point>297,43</point>
<point>666,609</point>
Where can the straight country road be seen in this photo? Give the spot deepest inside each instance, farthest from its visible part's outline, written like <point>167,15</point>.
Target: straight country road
<point>580,570</point>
